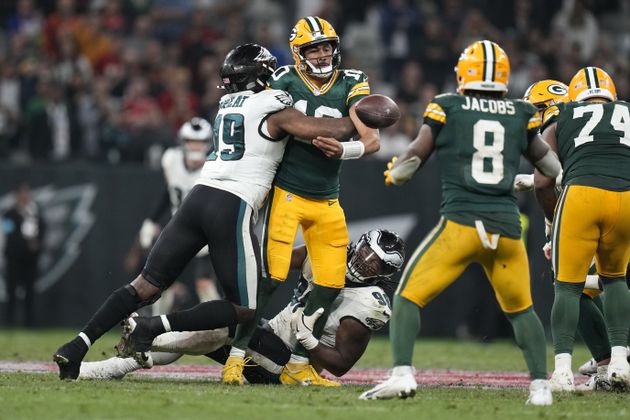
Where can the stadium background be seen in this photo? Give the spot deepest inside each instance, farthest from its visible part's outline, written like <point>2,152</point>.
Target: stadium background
<point>91,92</point>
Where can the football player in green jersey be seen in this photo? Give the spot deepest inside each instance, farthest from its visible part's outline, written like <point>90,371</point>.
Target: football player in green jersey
<point>479,138</point>
<point>592,138</point>
<point>306,188</point>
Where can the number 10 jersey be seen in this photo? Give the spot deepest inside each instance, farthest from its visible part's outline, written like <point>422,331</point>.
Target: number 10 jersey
<point>479,142</point>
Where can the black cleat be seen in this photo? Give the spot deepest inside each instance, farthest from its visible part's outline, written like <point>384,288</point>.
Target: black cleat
<point>136,340</point>
<point>68,357</point>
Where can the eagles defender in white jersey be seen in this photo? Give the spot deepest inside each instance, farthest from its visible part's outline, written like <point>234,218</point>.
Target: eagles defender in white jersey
<point>360,308</point>
<point>181,166</point>
<point>250,133</point>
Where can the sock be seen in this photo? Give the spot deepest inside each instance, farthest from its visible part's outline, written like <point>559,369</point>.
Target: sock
<point>565,314</point>
<point>319,297</point>
<point>617,310</point>
<point>245,331</point>
<point>236,352</point>
<point>530,337</point>
<point>205,316</point>
<point>403,329</point>
<point>295,358</point>
<point>592,328</point>
<point>118,306</point>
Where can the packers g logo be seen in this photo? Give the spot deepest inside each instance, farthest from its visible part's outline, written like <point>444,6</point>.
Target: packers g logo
<point>557,89</point>
<point>293,34</point>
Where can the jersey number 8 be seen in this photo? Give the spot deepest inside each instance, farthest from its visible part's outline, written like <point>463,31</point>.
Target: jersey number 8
<point>488,153</point>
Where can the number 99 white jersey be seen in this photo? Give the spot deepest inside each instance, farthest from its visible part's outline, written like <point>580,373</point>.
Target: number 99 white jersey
<point>245,157</point>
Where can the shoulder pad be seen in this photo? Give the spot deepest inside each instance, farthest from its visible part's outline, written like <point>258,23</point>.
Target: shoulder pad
<point>354,75</point>
<point>273,100</point>
<point>549,115</point>
<point>279,79</point>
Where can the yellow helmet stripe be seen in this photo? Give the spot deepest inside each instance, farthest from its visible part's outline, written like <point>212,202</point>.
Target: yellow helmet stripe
<point>313,24</point>
<point>488,61</point>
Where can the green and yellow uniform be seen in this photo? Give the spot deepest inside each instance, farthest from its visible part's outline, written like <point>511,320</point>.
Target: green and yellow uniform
<point>306,187</point>
<point>593,211</point>
<point>479,142</point>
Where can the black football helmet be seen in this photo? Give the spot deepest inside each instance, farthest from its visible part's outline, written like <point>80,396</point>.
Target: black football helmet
<point>377,256</point>
<point>247,67</point>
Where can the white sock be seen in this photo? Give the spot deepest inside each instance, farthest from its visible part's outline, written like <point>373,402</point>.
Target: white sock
<point>618,352</point>
<point>165,323</point>
<point>236,352</point>
<point>563,361</point>
<point>191,342</point>
<point>402,370</point>
<point>85,339</point>
<point>162,358</point>
<point>298,359</point>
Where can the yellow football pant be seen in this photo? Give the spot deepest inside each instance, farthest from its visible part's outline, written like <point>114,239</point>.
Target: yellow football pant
<point>324,227</point>
<point>446,252</point>
<point>591,221</point>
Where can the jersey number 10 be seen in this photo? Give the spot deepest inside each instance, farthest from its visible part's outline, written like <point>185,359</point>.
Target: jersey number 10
<point>229,137</point>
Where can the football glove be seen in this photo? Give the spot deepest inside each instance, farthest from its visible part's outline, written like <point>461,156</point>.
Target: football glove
<point>388,179</point>
<point>148,232</point>
<point>402,172</point>
<point>524,182</point>
<point>302,326</point>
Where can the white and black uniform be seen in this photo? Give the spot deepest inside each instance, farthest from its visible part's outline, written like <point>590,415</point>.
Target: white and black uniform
<point>220,209</point>
<point>367,304</point>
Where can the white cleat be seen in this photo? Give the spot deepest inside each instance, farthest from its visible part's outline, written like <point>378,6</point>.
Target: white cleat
<point>540,392</point>
<point>562,381</point>
<point>588,368</point>
<point>401,384</point>
<point>113,368</point>
<point>619,374</point>
<point>597,382</point>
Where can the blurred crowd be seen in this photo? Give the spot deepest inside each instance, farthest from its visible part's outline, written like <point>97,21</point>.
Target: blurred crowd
<point>111,80</point>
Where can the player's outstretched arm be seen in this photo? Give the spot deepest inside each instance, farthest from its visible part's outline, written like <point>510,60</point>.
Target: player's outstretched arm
<point>351,341</point>
<point>400,170</point>
<point>292,121</point>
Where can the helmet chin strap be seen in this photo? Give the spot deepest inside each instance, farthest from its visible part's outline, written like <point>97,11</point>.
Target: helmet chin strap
<point>321,72</point>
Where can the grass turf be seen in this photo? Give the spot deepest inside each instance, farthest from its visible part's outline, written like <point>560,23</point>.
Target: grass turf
<point>38,396</point>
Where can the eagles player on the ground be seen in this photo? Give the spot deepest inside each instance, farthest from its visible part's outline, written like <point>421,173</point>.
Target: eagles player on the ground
<point>181,166</point>
<point>250,134</point>
<point>592,137</point>
<point>360,308</point>
<point>479,138</point>
<point>306,187</point>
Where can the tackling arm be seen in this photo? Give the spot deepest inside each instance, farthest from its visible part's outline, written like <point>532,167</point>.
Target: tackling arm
<point>351,341</point>
<point>292,121</point>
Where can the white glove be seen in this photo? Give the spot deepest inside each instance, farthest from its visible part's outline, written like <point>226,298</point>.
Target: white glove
<point>148,232</point>
<point>547,250</point>
<point>523,182</point>
<point>302,327</point>
<point>548,228</point>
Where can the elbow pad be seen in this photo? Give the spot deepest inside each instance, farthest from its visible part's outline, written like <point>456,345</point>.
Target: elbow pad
<point>549,165</point>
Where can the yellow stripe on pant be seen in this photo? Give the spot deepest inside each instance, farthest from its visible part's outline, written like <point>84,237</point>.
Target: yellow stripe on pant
<point>449,249</point>
<point>324,227</point>
<point>591,221</point>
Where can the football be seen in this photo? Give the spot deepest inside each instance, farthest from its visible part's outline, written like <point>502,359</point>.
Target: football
<point>377,111</point>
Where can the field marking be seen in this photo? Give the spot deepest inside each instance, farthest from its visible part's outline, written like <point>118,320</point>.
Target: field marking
<point>425,377</point>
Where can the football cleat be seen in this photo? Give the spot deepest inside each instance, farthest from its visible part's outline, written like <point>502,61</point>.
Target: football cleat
<point>588,368</point>
<point>562,381</point>
<point>135,341</point>
<point>68,358</point>
<point>303,374</point>
<point>597,382</point>
<point>592,82</point>
<point>232,373</point>
<point>619,374</point>
<point>401,384</point>
<point>539,392</point>
<point>483,66</point>
<point>112,368</point>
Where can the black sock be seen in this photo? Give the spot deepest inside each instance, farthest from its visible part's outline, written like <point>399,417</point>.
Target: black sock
<point>117,307</point>
<point>205,316</point>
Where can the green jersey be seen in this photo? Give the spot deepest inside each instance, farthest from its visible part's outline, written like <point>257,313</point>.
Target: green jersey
<point>593,143</point>
<point>479,142</point>
<point>305,170</point>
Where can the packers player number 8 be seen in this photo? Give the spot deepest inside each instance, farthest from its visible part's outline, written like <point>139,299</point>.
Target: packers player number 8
<point>490,151</point>
<point>229,137</point>
<point>620,121</point>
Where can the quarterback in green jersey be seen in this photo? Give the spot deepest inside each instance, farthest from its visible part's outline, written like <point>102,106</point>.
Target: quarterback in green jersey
<point>592,138</point>
<point>479,137</point>
<point>305,192</point>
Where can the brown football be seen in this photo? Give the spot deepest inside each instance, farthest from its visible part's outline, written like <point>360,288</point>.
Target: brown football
<point>377,111</point>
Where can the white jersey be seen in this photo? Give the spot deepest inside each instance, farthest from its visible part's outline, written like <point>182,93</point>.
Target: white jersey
<point>179,180</point>
<point>245,159</point>
<point>369,305</point>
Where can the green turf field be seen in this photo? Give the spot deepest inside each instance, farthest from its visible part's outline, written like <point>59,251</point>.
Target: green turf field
<point>43,396</point>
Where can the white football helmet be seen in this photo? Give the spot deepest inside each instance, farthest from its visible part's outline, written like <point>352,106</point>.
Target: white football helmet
<point>193,132</point>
